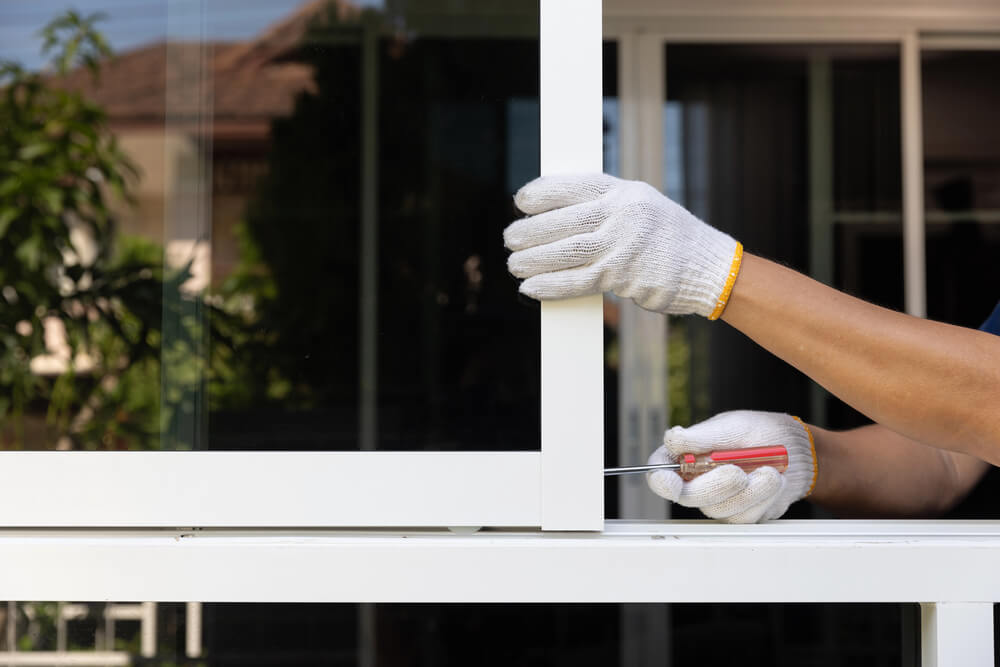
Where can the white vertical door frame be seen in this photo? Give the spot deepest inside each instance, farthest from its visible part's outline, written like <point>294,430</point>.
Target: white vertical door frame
<point>572,331</point>
<point>956,633</point>
<point>642,335</point>
<point>912,135</point>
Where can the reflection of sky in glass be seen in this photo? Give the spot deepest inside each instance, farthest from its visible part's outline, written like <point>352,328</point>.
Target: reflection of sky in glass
<point>131,23</point>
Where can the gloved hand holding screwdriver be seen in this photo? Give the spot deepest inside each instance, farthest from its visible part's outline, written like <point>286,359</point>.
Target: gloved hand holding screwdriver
<point>591,233</point>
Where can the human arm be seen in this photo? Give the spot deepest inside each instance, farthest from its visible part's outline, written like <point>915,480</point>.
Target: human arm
<point>872,472</point>
<point>931,382</point>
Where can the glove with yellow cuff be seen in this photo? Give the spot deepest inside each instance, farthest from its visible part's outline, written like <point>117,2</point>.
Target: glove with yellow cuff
<point>727,493</point>
<point>593,233</point>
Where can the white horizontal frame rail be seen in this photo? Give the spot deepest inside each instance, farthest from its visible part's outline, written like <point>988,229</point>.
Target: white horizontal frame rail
<point>786,561</point>
<point>572,331</point>
<point>308,489</point>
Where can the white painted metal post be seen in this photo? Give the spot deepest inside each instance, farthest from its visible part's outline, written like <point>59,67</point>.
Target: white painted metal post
<point>572,332</point>
<point>192,630</point>
<point>914,268</point>
<point>147,645</point>
<point>11,626</point>
<point>956,633</point>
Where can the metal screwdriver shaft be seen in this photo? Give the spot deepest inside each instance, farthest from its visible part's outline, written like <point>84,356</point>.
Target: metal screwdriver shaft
<point>691,465</point>
<point>634,469</point>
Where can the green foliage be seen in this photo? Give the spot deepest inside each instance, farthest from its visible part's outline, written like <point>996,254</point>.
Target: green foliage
<point>75,41</point>
<point>61,173</point>
<point>298,342</point>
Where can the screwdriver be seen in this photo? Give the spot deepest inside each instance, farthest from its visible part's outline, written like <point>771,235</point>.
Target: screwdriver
<point>692,465</point>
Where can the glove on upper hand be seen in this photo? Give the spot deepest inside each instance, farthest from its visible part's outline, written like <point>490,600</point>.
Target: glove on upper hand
<point>727,493</point>
<point>594,233</point>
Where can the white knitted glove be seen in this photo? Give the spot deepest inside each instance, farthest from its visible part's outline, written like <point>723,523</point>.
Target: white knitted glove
<point>727,493</point>
<point>591,233</point>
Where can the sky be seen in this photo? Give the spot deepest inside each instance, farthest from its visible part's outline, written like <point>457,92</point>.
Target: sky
<point>131,23</point>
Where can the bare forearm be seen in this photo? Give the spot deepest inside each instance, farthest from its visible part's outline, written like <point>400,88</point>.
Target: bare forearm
<point>874,472</point>
<point>931,382</point>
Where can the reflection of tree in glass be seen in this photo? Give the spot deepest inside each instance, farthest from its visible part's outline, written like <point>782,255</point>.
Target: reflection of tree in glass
<point>80,309</point>
<point>297,276</point>
<point>457,353</point>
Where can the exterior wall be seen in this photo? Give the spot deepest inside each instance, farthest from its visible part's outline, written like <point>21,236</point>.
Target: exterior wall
<point>161,157</point>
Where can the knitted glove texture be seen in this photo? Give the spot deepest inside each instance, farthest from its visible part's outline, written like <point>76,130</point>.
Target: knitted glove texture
<point>727,493</point>
<point>593,233</point>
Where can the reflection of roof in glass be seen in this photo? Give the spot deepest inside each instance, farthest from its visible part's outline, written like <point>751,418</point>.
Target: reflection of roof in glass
<point>251,81</point>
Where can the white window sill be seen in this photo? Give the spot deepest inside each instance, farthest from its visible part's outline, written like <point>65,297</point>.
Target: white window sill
<point>785,561</point>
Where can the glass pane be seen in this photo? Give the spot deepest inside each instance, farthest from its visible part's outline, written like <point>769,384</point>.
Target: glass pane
<point>439,635</point>
<point>794,150</point>
<point>312,254</point>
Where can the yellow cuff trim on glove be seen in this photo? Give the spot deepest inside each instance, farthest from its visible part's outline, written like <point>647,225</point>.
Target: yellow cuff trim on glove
<point>812,450</point>
<point>734,270</point>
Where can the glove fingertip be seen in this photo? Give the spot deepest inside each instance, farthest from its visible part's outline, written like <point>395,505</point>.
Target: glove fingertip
<point>516,265</point>
<point>529,289</point>
<point>526,199</point>
<point>510,237</point>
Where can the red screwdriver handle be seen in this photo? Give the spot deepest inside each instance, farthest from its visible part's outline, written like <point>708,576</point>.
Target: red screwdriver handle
<point>748,459</point>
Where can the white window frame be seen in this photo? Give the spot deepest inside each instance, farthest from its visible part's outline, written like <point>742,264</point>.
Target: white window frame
<point>948,566</point>
<point>559,487</point>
